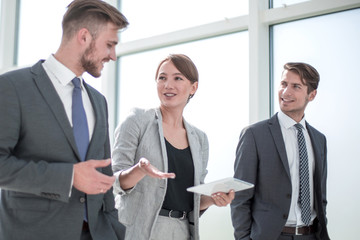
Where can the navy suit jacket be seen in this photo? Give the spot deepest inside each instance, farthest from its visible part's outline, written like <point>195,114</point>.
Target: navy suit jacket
<point>261,213</point>
<point>37,154</point>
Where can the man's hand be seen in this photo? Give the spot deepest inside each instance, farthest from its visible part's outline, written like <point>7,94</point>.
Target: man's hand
<point>90,181</point>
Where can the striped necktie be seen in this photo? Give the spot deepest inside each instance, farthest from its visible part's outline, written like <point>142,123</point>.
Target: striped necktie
<point>304,193</point>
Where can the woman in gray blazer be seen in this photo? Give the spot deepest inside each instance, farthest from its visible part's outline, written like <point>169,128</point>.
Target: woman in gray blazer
<point>157,156</point>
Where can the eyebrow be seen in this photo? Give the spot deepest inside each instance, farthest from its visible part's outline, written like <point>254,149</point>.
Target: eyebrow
<point>113,42</point>
<point>284,81</point>
<point>175,74</point>
<point>178,74</point>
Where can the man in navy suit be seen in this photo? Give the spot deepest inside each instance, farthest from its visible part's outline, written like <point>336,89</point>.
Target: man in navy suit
<point>49,189</point>
<point>267,155</point>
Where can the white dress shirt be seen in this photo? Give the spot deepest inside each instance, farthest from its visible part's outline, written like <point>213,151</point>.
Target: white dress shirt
<point>61,77</point>
<point>289,134</point>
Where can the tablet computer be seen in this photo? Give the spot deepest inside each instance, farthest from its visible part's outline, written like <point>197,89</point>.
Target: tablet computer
<point>222,185</point>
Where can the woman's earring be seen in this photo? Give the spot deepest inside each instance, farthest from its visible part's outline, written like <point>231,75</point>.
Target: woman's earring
<point>190,96</point>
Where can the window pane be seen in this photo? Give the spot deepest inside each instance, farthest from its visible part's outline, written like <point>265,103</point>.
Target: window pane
<point>39,29</point>
<point>0,12</point>
<point>149,18</point>
<point>331,44</point>
<point>282,3</point>
<point>40,32</point>
<point>220,106</point>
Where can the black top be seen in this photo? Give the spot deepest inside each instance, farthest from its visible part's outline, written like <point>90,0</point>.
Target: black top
<point>181,163</point>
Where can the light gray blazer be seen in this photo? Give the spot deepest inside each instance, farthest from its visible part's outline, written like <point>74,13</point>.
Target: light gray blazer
<point>37,153</point>
<point>141,135</point>
<point>261,212</point>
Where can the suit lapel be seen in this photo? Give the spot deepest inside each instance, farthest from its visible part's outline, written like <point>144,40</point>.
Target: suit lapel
<point>279,142</point>
<point>317,159</point>
<point>194,148</point>
<point>54,102</point>
<point>158,118</point>
<point>99,116</point>
<point>315,146</point>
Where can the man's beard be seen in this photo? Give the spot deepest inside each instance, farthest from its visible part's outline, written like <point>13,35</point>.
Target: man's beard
<point>87,62</point>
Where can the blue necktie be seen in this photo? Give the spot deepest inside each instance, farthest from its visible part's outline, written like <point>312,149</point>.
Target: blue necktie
<point>304,193</point>
<point>80,125</point>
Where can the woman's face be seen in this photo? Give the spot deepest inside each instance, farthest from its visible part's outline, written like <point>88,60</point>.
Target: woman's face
<point>173,87</point>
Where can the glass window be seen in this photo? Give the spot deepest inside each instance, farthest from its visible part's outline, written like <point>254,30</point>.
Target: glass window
<point>40,32</point>
<point>0,12</point>
<point>39,29</point>
<point>149,18</point>
<point>220,106</point>
<point>331,44</point>
<point>282,3</point>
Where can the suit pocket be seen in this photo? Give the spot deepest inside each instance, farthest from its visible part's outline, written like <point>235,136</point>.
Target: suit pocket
<point>29,202</point>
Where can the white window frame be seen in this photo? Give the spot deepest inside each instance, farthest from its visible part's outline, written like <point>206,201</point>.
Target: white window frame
<point>258,22</point>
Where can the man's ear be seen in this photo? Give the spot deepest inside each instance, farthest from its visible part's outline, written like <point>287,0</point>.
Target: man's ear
<point>84,36</point>
<point>312,95</point>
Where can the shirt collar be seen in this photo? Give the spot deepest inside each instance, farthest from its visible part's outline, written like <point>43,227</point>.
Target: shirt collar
<point>62,74</point>
<point>287,122</point>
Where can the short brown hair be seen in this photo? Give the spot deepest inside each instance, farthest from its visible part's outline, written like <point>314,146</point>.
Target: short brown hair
<point>92,15</point>
<point>184,64</point>
<point>308,74</point>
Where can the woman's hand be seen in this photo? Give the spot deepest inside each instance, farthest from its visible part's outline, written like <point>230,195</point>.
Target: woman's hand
<point>130,177</point>
<point>223,199</point>
<point>146,167</point>
<point>219,199</point>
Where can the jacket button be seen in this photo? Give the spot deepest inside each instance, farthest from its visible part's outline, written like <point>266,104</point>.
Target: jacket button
<point>285,216</point>
<point>288,195</point>
<point>82,199</point>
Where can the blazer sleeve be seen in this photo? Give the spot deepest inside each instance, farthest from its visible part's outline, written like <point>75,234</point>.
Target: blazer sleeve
<point>38,177</point>
<point>323,174</point>
<point>245,168</point>
<point>125,147</point>
<point>204,153</point>
<point>204,157</point>
<point>324,178</point>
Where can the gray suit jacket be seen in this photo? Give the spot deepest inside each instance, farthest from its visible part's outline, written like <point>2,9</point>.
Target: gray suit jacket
<point>261,213</point>
<point>141,135</point>
<point>37,153</point>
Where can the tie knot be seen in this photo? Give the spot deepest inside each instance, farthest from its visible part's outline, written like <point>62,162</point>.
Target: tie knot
<point>76,82</point>
<point>298,126</point>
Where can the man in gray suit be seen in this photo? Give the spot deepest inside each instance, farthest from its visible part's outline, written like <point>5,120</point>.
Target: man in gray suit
<point>52,187</point>
<point>267,156</point>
